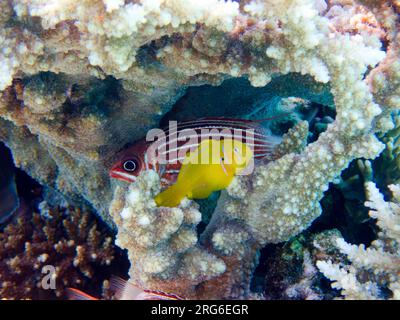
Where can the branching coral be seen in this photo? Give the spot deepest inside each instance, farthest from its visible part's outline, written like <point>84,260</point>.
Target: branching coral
<point>69,242</point>
<point>161,241</point>
<point>282,198</point>
<point>386,169</point>
<point>156,48</point>
<point>373,272</point>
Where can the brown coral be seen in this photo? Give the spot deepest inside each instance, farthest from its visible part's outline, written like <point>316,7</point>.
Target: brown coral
<point>69,240</point>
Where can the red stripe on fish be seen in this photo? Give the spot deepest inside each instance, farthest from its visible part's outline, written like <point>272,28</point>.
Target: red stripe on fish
<point>165,154</point>
<point>75,294</point>
<point>158,295</point>
<point>124,290</point>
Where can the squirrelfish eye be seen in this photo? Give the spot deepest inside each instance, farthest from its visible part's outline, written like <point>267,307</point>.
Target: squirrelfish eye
<point>130,165</point>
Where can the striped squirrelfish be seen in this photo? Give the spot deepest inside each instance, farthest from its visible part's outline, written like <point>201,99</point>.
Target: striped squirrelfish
<point>165,155</point>
<point>211,167</point>
<point>124,290</point>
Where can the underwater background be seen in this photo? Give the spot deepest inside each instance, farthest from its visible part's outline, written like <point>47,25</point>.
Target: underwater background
<point>82,82</point>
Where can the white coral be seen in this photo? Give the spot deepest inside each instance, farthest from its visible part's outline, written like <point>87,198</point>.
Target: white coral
<point>161,242</point>
<point>208,39</point>
<point>379,261</point>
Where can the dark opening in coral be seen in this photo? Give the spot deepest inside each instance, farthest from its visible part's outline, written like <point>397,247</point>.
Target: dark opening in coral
<point>237,98</point>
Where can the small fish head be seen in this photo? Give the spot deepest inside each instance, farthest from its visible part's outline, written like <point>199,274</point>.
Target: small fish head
<point>130,163</point>
<point>236,155</point>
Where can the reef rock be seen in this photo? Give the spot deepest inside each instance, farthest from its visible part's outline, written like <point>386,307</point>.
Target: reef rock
<point>80,79</point>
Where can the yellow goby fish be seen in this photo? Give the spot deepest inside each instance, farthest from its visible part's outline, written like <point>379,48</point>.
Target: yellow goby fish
<point>211,167</point>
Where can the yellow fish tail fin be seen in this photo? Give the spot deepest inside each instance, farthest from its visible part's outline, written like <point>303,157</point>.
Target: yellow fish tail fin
<point>170,197</point>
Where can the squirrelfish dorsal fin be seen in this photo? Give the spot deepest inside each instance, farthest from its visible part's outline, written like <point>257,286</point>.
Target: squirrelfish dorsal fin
<point>124,290</point>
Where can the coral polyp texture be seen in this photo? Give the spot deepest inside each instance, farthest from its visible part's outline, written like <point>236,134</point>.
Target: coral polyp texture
<point>373,272</point>
<point>161,241</point>
<point>40,256</point>
<point>81,79</point>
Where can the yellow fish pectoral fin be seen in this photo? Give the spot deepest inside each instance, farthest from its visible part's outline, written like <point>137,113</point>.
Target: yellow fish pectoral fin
<point>170,197</point>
